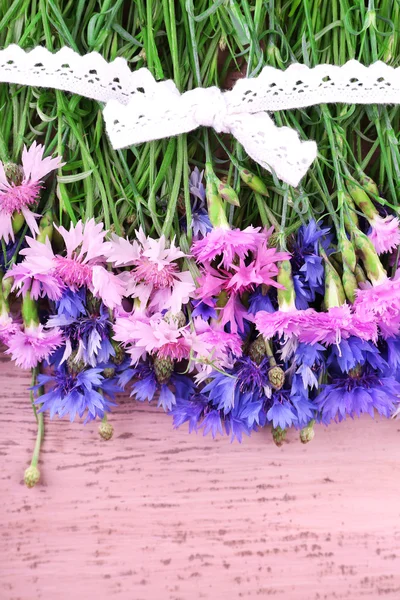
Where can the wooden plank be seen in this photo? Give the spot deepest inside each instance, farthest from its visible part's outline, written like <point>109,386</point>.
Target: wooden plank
<point>160,514</point>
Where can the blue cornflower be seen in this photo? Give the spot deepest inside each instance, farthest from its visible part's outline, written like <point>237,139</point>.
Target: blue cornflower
<point>88,334</point>
<point>72,304</point>
<point>352,352</point>
<point>205,310</point>
<point>201,223</point>
<point>77,393</point>
<point>146,386</point>
<point>190,409</point>
<point>281,412</point>
<point>307,264</point>
<point>259,301</point>
<point>361,391</point>
<point>310,362</point>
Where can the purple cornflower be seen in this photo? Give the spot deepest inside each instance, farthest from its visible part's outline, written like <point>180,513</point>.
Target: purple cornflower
<point>201,223</point>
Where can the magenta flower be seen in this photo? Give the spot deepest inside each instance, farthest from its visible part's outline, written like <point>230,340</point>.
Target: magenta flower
<point>385,233</point>
<point>155,277</point>
<point>19,197</point>
<point>338,323</point>
<point>8,327</point>
<point>47,274</point>
<point>228,243</point>
<point>32,345</point>
<point>284,323</point>
<point>154,335</point>
<point>210,345</point>
<point>381,303</point>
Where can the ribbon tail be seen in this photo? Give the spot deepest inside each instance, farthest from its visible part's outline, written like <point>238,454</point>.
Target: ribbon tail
<point>277,149</point>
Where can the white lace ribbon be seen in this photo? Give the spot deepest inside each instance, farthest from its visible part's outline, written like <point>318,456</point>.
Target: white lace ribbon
<point>139,109</point>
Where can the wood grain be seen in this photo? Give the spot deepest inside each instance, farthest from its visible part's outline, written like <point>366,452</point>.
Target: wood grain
<point>158,514</point>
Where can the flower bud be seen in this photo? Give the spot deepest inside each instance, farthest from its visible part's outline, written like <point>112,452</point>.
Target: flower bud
<point>18,221</point>
<point>228,194</point>
<point>278,435</point>
<point>75,366</point>
<point>14,173</point>
<point>257,350</point>
<point>368,184</point>
<point>254,182</point>
<point>119,356</point>
<point>178,318</point>
<point>307,433</point>
<point>106,430</point>
<point>163,368</point>
<point>216,210</point>
<point>276,377</point>
<point>361,199</point>
<point>108,372</point>
<point>31,476</point>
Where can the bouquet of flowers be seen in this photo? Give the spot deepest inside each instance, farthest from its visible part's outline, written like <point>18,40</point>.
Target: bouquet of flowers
<point>188,276</point>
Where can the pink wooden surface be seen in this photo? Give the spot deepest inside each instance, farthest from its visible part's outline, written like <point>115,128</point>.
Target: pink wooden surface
<point>158,514</point>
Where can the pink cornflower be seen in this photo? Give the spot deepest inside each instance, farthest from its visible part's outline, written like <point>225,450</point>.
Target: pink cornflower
<point>227,243</point>
<point>154,335</point>
<point>8,327</point>
<point>47,274</point>
<point>385,233</point>
<point>31,345</point>
<point>155,277</point>
<point>284,323</point>
<point>337,323</point>
<point>19,197</point>
<point>210,345</point>
<point>381,303</point>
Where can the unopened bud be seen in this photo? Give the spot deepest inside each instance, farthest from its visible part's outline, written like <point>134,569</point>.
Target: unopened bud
<point>361,199</point>
<point>360,275</point>
<point>286,297</point>
<point>14,173</point>
<point>108,372</point>
<point>216,210</point>
<point>163,368</point>
<point>276,377</point>
<point>119,356</point>
<point>368,184</point>
<point>254,182</point>
<point>45,227</point>
<point>106,430</point>
<point>257,350</point>
<point>31,476</point>
<point>75,366</point>
<point>178,318</point>
<point>228,194</point>
<point>307,433</point>
<point>278,435</point>
<point>222,43</point>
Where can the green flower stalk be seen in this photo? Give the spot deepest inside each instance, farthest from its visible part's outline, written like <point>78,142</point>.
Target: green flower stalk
<point>349,282</point>
<point>46,227</point>
<point>30,314</point>
<point>32,473</point>
<point>346,248</point>
<point>286,296</point>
